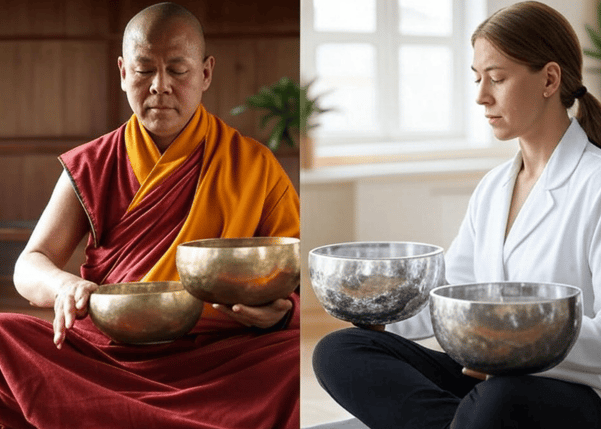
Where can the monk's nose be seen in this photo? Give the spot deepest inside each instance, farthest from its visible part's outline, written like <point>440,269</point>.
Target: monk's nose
<point>161,83</point>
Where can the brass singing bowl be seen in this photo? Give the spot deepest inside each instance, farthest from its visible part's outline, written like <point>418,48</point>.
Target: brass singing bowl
<point>145,312</point>
<point>506,328</point>
<point>250,271</point>
<point>375,283</point>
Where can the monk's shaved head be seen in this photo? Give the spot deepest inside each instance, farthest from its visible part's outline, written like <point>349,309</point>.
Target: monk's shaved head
<point>164,69</point>
<point>151,22</point>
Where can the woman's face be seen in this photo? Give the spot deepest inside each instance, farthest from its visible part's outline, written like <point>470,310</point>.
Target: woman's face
<point>511,93</point>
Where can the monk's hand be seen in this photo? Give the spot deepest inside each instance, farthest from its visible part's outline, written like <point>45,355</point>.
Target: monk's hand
<point>263,317</point>
<point>70,303</point>
<point>475,374</point>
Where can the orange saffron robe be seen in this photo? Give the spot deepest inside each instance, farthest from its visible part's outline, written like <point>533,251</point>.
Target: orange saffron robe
<point>211,182</point>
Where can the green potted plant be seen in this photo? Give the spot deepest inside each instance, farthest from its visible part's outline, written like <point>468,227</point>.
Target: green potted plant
<point>280,103</point>
<point>289,111</point>
<point>595,36</point>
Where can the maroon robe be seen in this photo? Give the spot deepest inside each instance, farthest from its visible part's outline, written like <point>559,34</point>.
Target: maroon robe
<point>222,375</point>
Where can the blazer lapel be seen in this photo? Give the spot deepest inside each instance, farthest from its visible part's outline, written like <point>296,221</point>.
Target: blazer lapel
<point>499,211</point>
<point>536,208</point>
<point>541,202</point>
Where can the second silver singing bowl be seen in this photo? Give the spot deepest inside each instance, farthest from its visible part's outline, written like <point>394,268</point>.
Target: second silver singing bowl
<point>506,328</point>
<point>374,283</point>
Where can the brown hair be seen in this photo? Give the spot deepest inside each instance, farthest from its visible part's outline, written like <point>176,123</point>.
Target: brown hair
<point>535,34</point>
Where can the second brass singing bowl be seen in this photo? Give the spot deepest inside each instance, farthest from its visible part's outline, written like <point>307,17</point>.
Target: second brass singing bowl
<point>250,271</point>
<point>144,313</point>
<point>506,328</point>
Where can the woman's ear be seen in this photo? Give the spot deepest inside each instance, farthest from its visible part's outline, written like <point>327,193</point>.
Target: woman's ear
<point>552,73</point>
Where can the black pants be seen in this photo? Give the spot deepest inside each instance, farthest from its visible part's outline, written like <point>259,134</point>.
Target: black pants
<point>389,382</point>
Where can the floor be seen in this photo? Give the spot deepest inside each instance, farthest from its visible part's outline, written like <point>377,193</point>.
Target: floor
<point>317,406</point>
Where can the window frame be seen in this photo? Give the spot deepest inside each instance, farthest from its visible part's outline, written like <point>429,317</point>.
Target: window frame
<point>391,144</point>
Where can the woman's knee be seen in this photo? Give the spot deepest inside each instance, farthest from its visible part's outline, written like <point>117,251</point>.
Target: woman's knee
<point>330,350</point>
<point>529,401</point>
<point>342,351</point>
<point>491,404</point>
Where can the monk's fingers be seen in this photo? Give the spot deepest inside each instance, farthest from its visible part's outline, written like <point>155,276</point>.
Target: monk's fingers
<point>228,310</point>
<point>70,312</point>
<point>261,316</point>
<point>82,294</point>
<point>59,326</point>
<point>281,305</point>
<point>70,302</point>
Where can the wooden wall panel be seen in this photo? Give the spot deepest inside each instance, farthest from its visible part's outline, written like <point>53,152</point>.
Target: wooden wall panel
<point>84,95</point>
<point>233,80</point>
<point>11,93</point>
<point>39,77</point>
<point>40,174</point>
<point>31,75</point>
<point>54,17</point>
<point>27,183</point>
<point>60,82</point>
<point>55,88</point>
<point>242,68</point>
<point>11,192</point>
<point>231,17</point>
<point>88,16</point>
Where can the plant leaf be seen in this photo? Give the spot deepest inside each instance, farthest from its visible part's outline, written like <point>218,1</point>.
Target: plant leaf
<point>265,119</point>
<point>238,110</point>
<point>260,100</point>
<point>276,135</point>
<point>593,54</point>
<point>594,36</point>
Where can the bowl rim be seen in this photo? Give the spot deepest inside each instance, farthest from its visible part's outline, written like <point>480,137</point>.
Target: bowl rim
<point>437,250</point>
<point>105,289</point>
<point>281,241</point>
<point>574,292</point>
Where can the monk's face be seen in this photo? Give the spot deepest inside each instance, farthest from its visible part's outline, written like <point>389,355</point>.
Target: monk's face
<point>164,75</point>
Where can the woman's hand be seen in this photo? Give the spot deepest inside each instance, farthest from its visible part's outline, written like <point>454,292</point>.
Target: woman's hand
<point>475,374</point>
<point>264,316</point>
<point>379,328</point>
<point>70,303</point>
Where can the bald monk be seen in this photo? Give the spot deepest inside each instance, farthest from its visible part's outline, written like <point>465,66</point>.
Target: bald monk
<point>171,174</point>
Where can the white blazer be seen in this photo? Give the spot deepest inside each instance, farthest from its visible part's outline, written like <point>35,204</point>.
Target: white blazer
<point>555,238</point>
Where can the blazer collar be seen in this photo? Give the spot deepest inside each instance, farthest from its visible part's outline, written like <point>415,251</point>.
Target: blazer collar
<point>563,161</point>
<point>541,201</point>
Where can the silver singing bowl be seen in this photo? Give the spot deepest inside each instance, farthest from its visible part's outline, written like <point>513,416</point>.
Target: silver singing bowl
<point>250,271</point>
<point>506,328</point>
<point>375,283</point>
<point>143,313</point>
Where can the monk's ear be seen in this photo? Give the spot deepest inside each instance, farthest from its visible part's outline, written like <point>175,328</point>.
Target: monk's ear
<point>207,72</point>
<point>122,71</point>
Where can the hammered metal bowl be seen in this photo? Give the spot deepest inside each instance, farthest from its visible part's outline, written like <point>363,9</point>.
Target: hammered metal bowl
<point>250,271</point>
<point>506,328</point>
<point>375,283</point>
<point>144,313</point>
